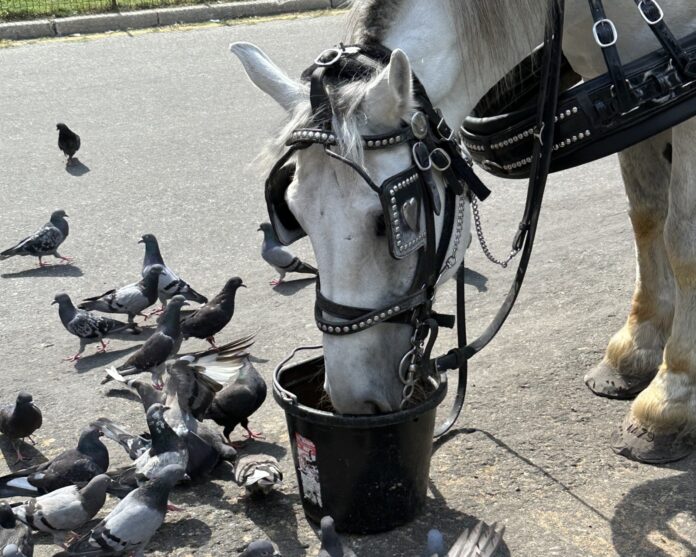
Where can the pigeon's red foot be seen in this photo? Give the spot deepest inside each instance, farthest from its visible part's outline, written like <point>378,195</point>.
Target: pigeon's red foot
<point>276,282</point>
<point>72,537</point>
<point>254,435</point>
<point>66,259</point>
<point>104,346</point>
<point>211,341</point>
<point>174,508</point>
<point>154,312</point>
<point>20,456</point>
<point>72,358</point>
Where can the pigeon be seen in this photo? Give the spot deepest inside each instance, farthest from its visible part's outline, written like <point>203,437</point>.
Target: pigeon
<point>64,509</point>
<point>128,528</point>
<point>163,344</point>
<point>238,400</point>
<point>45,241</point>
<point>20,420</point>
<point>435,545</point>
<point>260,548</point>
<point>331,545</point>
<point>210,319</point>
<point>85,325</point>
<point>68,142</point>
<point>279,257</point>
<point>258,473</point>
<point>15,537</point>
<point>482,541</point>
<point>170,284</point>
<point>131,299</point>
<point>146,392</point>
<point>72,467</point>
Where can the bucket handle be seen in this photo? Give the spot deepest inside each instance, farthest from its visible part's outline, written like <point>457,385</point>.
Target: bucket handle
<point>285,395</point>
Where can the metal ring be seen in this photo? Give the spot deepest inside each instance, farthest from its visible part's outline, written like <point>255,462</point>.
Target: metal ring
<point>404,369</point>
<point>613,31</point>
<point>444,153</point>
<point>645,16</point>
<point>336,54</point>
<point>417,160</point>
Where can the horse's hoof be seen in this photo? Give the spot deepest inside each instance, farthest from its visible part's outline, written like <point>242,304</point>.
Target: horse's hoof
<point>638,443</point>
<point>605,381</point>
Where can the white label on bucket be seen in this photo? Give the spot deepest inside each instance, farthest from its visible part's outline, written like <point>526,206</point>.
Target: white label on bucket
<point>309,472</point>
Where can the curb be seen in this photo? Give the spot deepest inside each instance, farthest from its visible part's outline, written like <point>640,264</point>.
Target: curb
<point>121,21</point>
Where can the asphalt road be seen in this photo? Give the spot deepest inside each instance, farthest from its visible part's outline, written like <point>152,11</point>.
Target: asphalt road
<point>170,127</point>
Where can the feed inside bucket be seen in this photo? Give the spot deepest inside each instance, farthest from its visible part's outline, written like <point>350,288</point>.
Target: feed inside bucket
<point>370,473</point>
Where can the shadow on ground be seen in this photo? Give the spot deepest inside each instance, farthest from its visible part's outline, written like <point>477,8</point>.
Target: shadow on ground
<point>51,271</point>
<point>658,517</point>
<point>29,452</point>
<point>288,288</point>
<point>77,168</point>
<point>100,359</point>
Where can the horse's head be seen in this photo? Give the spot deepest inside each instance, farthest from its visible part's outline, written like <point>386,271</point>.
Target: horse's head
<point>345,221</point>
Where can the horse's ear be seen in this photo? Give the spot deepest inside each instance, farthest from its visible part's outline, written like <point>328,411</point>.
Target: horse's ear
<point>267,76</point>
<point>391,96</point>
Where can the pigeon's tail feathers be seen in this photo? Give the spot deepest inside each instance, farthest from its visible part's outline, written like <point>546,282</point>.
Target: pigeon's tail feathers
<point>231,349</point>
<point>87,304</point>
<point>17,485</point>
<point>115,375</point>
<point>190,294</point>
<point>221,374</point>
<point>116,432</point>
<point>8,253</point>
<point>114,326</point>
<point>482,541</point>
<point>84,547</point>
<point>306,268</point>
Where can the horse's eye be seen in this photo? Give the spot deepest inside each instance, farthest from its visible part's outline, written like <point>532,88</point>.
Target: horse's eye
<point>381,226</point>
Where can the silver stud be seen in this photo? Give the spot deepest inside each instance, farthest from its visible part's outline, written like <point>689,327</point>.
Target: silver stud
<point>398,139</point>
<point>575,138</point>
<point>346,330</point>
<point>575,110</point>
<point>396,308</point>
<point>581,135</point>
<point>568,112</point>
<point>587,133</point>
<point>555,118</point>
<point>332,137</point>
<point>391,141</point>
<point>376,318</point>
<point>370,143</point>
<point>393,200</point>
<point>354,327</point>
<point>562,116</point>
<point>331,329</point>
<point>392,191</point>
<point>362,324</point>
<point>382,315</point>
<point>390,312</point>
<point>369,321</point>
<point>324,136</point>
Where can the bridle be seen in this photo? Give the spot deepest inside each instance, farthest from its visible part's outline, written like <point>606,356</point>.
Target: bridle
<point>410,201</point>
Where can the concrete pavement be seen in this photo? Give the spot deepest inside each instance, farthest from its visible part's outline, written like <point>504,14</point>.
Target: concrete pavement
<point>170,127</point>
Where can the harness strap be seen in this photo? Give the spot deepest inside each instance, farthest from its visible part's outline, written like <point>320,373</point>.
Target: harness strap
<point>654,17</point>
<point>605,35</point>
<point>543,149</point>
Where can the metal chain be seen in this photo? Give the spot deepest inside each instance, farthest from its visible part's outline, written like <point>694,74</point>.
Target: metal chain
<point>482,239</point>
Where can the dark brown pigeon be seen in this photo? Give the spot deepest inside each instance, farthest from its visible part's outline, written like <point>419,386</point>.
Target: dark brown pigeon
<point>68,142</point>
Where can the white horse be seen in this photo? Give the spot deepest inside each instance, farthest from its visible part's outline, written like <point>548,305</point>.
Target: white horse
<point>459,49</point>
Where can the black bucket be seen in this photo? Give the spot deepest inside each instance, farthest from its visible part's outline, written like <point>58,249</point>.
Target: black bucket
<point>370,473</point>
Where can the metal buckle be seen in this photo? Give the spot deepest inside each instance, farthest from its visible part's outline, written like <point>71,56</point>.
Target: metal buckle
<point>334,54</point>
<point>615,35</point>
<point>443,163</point>
<point>443,127</point>
<point>645,16</point>
<point>420,154</point>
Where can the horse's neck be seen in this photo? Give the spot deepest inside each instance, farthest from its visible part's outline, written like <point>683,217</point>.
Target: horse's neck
<point>427,32</point>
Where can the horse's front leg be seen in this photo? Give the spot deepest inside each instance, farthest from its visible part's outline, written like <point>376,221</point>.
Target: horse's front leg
<point>661,425</point>
<point>634,353</point>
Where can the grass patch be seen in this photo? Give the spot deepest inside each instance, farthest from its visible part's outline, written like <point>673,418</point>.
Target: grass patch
<point>14,10</point>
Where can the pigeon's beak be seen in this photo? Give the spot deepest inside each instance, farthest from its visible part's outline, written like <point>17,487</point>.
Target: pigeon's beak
<point>54,302</point>
<point>243,285</point>
<point>186,478</point>
<point>185,304</point>
<point>141,241</point>
<point>165,408</point>
<point>258,229</point>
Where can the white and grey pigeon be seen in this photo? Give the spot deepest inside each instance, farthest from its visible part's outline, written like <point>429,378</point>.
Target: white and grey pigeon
<point>45,241</point>
<point>481,541</point>
<point>258,473</point>
<point>64,509</point>
<point>15,537</point>
<point>170,284</point>
<point>130,526</point>
<point>131,300</point>
<point>331,545</point>
<point>162,345</point>
<point>86,326</point>
<point>260,548</point>
<point>279,257</point>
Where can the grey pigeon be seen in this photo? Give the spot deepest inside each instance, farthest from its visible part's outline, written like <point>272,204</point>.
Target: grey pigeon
<point>15,537</point>
<point>238,400</point>
<point>131,299</point>
<point>258,473</point>
<point>20,420</point>
<point>86,326</point>
<point>279,257</point>
<point>146,392</point>
<point>72,467</point>
<point>64,509</point>
<point>210,319</point>
<point>482,541</point>
<point>68,142</point>
<point>435,546</point>
<point>163,344</point>
<point>331,545</point>
<point>130,526</point>
<point>170,284</point>
<point>45,241</point>
<point>260,548</point>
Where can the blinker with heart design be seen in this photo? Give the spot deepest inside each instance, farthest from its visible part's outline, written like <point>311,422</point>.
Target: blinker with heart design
<point>410,213</point>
